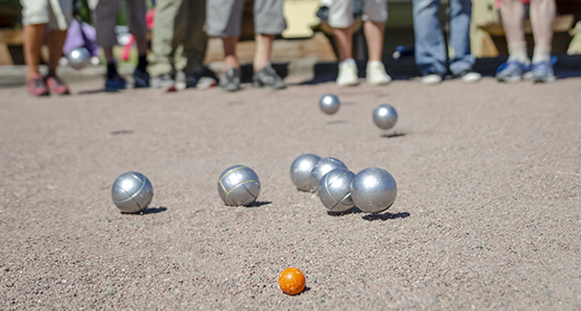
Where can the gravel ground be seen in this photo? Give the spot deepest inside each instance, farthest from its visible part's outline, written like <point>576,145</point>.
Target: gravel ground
<point>487,214</point>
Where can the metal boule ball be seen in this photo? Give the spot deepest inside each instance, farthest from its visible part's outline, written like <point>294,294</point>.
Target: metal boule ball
<point>132,192</point>
<point>300,171</point>
<point>238,185</point>
<point>373,190</point>
<point>329,103</point>
<point>323,167</point>
<point>384,116</point>
<point>79,58</point>
<point>335,190</point>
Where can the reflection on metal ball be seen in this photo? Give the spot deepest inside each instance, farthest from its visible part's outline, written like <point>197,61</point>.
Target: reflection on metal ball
<point>79,58</point>
<point>329,103</point>
<point>323,167</point>
<point>300,171</point>
<point>384,116</point>
<point>238,185</point>
<point>373,190</point>
<point>335,190</point>
<point>132,192</point>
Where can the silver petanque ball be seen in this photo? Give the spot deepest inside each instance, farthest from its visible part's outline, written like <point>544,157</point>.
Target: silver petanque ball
<point>300,171</point>
<point>323,167</point>
<point>132,192</point>
<point>238,185</point>
<point>79,58</point>
<point>373,190</point>
<point>384,116</point>
<point>335,190</point>
<point>329,103</point>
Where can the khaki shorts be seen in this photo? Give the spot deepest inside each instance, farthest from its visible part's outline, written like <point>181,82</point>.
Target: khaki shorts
<point>341,12</point>
<point>58,14</point>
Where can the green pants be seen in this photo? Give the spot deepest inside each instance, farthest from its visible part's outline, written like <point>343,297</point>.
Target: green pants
<point>178,38</point>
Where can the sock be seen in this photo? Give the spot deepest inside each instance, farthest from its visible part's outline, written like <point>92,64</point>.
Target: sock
<point>348,61</point>
<point>111,70</point>
<point>142,63</point>
<point>374,63</point>
<point>518,52</point>
<point>542,53</point>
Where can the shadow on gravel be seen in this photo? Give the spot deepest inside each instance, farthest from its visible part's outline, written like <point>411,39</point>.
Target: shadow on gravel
<point>393,135</point>
<point>385,216</point>
<point>153,210</point>
<point>259,203</point>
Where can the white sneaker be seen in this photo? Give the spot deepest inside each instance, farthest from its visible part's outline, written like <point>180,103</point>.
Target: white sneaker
<point>180,81</point>
<point>431,79</point>
<point>376,74</point>
<point>347,73</point>
<point>470,77</point>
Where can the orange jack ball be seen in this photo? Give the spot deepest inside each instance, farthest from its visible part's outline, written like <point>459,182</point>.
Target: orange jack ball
<point>291,281</point>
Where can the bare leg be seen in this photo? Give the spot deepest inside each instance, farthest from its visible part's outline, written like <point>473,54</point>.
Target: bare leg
<point>263,51</point>
<point>542,17</point>
<point>33,39</point>
<point>56,39</point>
<point>344,41</point>
<point>374,36</point>
<point>141,43</point>
<point>108,51</point>
<point>230,60</point>
<point>513,14</point>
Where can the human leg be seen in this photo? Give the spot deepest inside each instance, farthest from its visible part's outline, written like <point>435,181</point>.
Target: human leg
<point>542,17</point>
<point>462,62</point>
<point>375,16</point>
<point>430,47</point>
<point>60,17</point>
<point>163,44</point>
<point>341,19</point>
<point>136,10</point>
<point>513,15</point>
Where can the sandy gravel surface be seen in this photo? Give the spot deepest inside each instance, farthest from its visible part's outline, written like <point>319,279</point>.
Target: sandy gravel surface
<point>487,214</point>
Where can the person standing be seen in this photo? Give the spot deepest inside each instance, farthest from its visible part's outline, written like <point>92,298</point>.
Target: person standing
<point>430,47</point>
<point>105,19</point>
<point>374,17</point>
<point>36,14</point>
<point>542,14</point>
<point>224,19</point>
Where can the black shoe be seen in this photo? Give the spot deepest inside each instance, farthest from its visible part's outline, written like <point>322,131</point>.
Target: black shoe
<point>230,80</point>
<point>268,78</point>
<point>140,78</point>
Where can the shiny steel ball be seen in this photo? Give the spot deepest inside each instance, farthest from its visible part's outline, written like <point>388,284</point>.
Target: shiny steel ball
<point>373,190</point>
<point>323,167</point>
<point>238,185</point>
<point>384,116</point>
<point>335,190</point>
<point>329,103</point>
<point>300,171</point>
<point>132,192</point>
<point>79,58</point>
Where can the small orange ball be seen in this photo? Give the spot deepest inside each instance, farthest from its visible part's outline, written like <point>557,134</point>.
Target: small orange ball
<point>291,281</point>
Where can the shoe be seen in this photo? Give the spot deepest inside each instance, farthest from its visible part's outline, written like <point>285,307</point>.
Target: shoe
<point>230,80</point>
<point>347,73</point>
<point>36,87</point>
<point>375,73</point>
<point>469,76</point>
<point>511,71</point>
<point>268,78</point>
<point>163,81</point>
<point>140,78</point>
<point>432,79</point>
<point>56,86</point>
<point>115,84</point>
<point>181,81</point>
<point>542,72</point>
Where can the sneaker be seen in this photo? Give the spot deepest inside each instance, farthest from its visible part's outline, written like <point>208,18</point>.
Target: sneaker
<point>163,81</point>
<point>542,72</point>
<point>140,78</point>
<point>375,73</point>
<point>230,80</point>
<point>347,73</point>
<point>115,84</point>
<point>36,86</point>
<point>469,76</point>
<point>432,79</point>
<point>511,71</point>
<point>268,78</point>
<point>56,86</point>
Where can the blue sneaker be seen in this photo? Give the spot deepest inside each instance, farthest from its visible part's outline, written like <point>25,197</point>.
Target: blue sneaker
<point>115,84</point>
<point>542,72</point>
<point>511,71</point>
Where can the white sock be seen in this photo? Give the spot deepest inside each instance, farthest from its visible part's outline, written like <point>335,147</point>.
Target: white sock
<point>542,53</point>
<point>348,61</point>
<point>518,52</point>
<point>374,63</point>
